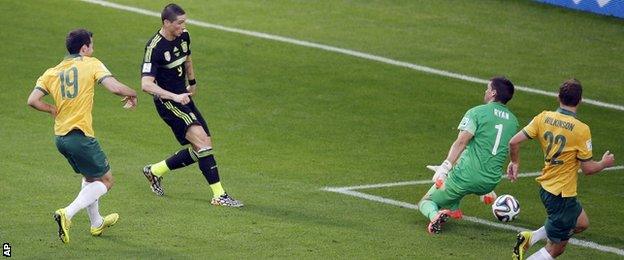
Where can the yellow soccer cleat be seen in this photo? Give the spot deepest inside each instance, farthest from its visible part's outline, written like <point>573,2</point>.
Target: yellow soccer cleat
<point>60,216</point>
<point>523,242</point>
<point>109,221</point>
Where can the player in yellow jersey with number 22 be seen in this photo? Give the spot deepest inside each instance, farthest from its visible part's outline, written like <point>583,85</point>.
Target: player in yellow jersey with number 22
<point>567,146</point>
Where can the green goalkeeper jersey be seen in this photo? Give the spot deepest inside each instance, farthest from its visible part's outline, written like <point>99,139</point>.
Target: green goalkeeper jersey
<point>492,126</point>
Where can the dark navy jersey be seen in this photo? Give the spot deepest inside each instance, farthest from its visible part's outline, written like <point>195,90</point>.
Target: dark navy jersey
<point>164,60</point>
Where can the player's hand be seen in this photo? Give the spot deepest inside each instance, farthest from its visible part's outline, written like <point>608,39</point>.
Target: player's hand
<point>608,159</point>
<point>512,171</point>
<point>53,111</point>
<point>192,89</point>
<point>129,102</point>
<point>182,98</point>
<point>441,171</point>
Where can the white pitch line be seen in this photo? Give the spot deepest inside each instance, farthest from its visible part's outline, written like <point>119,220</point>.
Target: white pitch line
<point>419,182</point>
<point>348,52</point>
<point>574,241</point>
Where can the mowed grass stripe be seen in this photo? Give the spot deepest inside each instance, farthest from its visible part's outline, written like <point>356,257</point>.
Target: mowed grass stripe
<point>358,54</point>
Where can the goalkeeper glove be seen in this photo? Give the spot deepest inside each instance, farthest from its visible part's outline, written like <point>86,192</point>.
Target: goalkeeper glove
<point>441,171</point>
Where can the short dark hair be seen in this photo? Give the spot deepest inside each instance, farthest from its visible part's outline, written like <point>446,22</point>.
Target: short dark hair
<point>504,89</point>
<point>76,39</point>
<point>570,92</point>
<point>171,12</point>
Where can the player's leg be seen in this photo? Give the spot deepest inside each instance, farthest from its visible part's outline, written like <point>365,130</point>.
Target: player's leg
<point>177,117</point>
<point>582,222</point>
<point>427,207</point>
<point>155,172</point>
<point>526,239</point>
<point>93,210</point>
<point>182,158</point>
<point>446,198</point>
<point>110,219</point>
<point>86,157</point>
<point>563,215</point>
<point>202,146</point>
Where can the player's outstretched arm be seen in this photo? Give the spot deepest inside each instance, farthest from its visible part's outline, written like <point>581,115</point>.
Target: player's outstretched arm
<point>118,88</point>
<point>456,149</point>
<point>463,138</point>
<point>34,100</point>
<point>514,155</point>
<point>148,85</point>
<point>593,167</point>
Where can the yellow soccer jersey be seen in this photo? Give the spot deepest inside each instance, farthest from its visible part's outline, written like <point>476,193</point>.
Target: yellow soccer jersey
<point>71,84</point>
<point>566,142</point>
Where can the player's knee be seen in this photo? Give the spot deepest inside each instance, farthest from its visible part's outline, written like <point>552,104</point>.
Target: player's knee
<point>582,223</point>
<point>108,180</point>
<point>557,249</point>
<point>581,226</point>
<point>203,151</point>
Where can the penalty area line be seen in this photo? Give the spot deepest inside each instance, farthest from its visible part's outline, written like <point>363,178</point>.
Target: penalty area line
<point>421,182</point>
<point>351,191</point>
<point>573,241</point>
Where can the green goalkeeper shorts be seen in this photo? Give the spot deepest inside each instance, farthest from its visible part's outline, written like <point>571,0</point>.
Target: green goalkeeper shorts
<point>83,154</point>
<point>455,189</point>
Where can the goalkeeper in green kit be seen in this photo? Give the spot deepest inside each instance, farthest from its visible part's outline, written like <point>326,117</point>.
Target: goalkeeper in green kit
<point>474,164</point>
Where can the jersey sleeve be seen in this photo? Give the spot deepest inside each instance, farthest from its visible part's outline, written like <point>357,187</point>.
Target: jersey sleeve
<point>42,85</point>
<point>187,38</point>
<point>532,129</point>
<point>100,72</point>
<point>585,147</point>
<point>468,122</point>
<point>151,60</point>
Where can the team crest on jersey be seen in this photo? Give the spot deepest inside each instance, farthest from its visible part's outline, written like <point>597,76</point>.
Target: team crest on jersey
<point>184,47</point>
<point>167,56</point>
<point>464,123</point>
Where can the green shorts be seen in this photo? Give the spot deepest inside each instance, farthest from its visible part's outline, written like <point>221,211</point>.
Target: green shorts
<point>455,189</point>
<point>562,215</point>
<point>83,153</point>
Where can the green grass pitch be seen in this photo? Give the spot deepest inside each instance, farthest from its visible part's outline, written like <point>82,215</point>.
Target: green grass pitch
<point>288,120</point>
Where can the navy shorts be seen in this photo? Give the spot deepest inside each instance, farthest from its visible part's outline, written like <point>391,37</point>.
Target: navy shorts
<point>180,117</point>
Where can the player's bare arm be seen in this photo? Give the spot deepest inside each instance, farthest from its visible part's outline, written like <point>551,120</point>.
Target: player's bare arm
<point>118,88</point>
<point>458,146</point>
<point>34,100</point>
<point>190,75</point>
<point>149,85</point>
<point>592,167</point>
<point>455,151</point>
<point>514,154</point>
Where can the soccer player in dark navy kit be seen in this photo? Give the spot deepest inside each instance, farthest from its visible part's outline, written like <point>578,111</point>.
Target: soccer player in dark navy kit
<point>166,68</point>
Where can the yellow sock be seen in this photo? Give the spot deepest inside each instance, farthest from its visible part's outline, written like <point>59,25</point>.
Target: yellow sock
<point>217,190</point>
<point>159,169</point>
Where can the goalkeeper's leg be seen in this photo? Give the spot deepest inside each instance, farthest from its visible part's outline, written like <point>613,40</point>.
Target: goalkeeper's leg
<point>426,206</point>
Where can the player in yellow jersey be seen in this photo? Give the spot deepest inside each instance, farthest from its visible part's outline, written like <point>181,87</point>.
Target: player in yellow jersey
<point>71,84</point>
<point>567,146</point>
